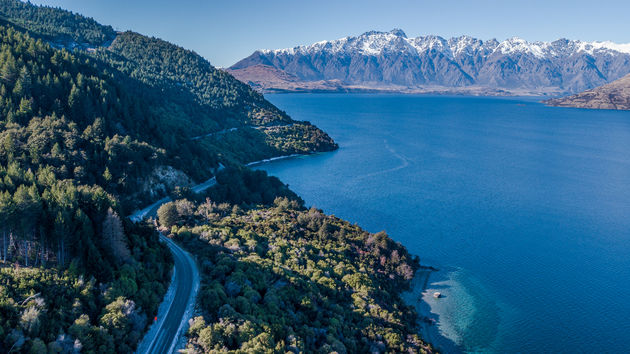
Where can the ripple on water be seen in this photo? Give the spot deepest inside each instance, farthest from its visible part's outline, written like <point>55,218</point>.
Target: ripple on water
<point>530,205</point>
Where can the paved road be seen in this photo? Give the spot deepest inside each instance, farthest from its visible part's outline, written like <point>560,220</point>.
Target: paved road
<point>151,210</point>
<point>177,306</point>
<point>222,132</point>
<point>164,338</point>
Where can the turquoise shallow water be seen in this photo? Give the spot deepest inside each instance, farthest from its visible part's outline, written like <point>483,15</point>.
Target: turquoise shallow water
<point>526,209</point>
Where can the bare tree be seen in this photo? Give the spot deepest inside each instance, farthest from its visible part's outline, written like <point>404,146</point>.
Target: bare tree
<point>114,236</point>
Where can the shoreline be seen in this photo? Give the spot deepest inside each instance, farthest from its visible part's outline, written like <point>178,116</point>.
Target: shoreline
<point>140,214</point>
<point>427,322</point>
<point>271,159</point>
<point>428,329</point>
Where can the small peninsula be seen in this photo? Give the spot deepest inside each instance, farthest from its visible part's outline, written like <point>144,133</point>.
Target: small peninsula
<point>277,276</point>
<point>615,95</point>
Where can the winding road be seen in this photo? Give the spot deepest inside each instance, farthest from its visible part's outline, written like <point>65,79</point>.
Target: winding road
<point>165,337</point>
<point>222,132</point>
<point>165,334</point>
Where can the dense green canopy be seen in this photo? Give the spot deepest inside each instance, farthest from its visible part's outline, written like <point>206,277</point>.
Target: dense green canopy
<point>277,277</point>
<point>84,137</point>
<point>95,123</point>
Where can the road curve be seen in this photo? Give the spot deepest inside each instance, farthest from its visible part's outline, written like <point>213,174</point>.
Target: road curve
<point>178,304</point>
<point>164,335</point>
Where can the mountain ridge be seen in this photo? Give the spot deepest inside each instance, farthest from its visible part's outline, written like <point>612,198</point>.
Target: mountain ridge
<point>615,95</point>
<point>377,60</point>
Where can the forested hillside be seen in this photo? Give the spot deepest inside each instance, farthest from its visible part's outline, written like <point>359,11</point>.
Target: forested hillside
<point>236,122</point>
<point>62,27</point>
<point>277,277</point>
<point>74,264</point>
<point>160,63</point>
<point>171,96</point>
<point>91,129</point>
<point>66,114</point>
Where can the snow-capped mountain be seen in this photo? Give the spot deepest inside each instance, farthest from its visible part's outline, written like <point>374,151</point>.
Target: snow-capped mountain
<point>377,59</point>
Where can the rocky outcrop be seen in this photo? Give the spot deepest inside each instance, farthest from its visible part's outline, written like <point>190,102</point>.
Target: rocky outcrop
<point>615,95</point>
<point>163,180</point>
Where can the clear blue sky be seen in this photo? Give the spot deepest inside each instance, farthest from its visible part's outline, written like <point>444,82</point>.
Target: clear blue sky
<point>225,31</point>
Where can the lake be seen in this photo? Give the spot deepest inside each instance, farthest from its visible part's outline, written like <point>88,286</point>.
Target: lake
<point>524,208</point>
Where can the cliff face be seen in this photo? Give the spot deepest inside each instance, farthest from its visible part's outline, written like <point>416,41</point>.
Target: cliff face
<point>380,60</point>
<point>615,95</point>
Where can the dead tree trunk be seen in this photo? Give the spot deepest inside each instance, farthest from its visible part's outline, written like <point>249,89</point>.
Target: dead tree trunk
<point>25,253</point>
<point>63,252</point>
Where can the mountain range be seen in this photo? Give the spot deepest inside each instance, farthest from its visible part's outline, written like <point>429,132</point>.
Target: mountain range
<point>391,61</point>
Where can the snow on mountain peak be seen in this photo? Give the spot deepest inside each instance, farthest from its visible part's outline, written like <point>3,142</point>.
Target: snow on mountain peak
<point>429,43</point>
<point>519,45</point>
<point>375,43</point>
<point>591,47</point>
<point>391,58</point>
<point>464,45</point>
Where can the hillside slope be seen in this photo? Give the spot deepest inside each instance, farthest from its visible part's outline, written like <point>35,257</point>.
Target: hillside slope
<point>92,124</point>
<point>277,277</point>
<point>176,95</point>
<point>265,78</point>
<point>64,28</point>
<point>615,95</point>
<point>70,265</point>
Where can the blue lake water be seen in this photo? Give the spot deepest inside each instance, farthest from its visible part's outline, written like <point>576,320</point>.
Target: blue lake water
<point>526,208</point>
